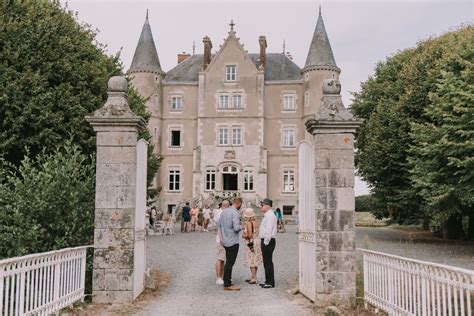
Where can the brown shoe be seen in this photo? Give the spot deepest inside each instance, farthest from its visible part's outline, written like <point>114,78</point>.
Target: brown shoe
<point>231,288</point>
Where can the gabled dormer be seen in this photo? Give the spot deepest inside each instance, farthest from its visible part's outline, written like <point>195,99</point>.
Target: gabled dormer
<point>231,62</point>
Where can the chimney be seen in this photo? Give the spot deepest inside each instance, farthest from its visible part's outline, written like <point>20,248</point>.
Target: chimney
<point>207,51</point>
<point>262,40</point>
<point>183,56</point>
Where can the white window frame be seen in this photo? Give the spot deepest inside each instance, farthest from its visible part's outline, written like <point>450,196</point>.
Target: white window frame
<point>210,179</point>
<point>170,141</point>
<point>288,137</point>
<point>173,184</point>
<point>230,73</point>
<point>176,103</point>
<point>237,136</point>
<point>223,136</point>
<point>249,180</point>
<point>237,101</point>
<point>289,100</point>
<point>224,97</point>
<point>289,181</point>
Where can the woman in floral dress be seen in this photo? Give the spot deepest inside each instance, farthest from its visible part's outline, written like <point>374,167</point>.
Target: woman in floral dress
<point>252,251</point>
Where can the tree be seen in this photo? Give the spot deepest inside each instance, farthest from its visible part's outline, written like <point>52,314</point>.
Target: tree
<point>442,156</point>
<point>47,203</point>
<point>137,105</point>
<point>53,73</point>
<point>394,102</point>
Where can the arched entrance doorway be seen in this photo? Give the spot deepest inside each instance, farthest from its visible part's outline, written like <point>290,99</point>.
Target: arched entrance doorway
<point>230,178</point>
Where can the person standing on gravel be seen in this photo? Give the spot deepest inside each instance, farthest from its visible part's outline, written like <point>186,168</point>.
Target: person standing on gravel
<point>229,228</point>
<point>268,231</point>
<point>220,257</point>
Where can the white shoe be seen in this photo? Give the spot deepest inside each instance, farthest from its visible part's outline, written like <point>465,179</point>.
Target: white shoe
<point>219,281</point>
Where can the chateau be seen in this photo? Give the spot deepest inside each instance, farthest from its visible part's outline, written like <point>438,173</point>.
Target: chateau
<point>231,121</point>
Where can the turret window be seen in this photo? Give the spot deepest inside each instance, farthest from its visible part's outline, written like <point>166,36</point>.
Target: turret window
<point>230,73</point>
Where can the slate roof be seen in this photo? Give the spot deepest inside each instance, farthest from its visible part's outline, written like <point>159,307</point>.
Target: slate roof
<point>320,52</point>
<point>278,67</point>
<point>145,57</point>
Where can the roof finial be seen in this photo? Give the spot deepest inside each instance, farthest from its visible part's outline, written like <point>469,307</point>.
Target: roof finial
<point>319,9</point>
<point>147,14</point>
<point>232,25</point>
<point>194,47</point>
<point>284,46</point>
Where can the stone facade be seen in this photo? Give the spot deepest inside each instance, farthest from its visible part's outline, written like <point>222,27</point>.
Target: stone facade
<point>119,217</point>
<point>260,101</point>
<point>333,129</point>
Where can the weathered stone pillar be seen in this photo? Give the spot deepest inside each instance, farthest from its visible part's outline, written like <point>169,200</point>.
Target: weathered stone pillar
<point>333,129</point>
<point>117,227</point>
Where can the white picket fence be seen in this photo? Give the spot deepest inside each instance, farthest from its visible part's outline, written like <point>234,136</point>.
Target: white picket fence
<point>43,283</point>
<point>403,286</point>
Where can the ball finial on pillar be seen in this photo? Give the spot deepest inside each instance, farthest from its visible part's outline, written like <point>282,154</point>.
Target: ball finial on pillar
<point>117,84</point>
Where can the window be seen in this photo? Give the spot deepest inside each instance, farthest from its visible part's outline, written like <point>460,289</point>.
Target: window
<point>236,136</point>
<point>230,73</point>
<point>288,102</point>
<point>176,103</point>
<point>288,181</point>
<point>174,180</point>
<point>237,101</point>
<point>288,209</point>
<point>224,101</point>
<point>223,140</point>
<point>248,180</point>
<point>288,137</point>
<point>210,179</point>
<point>175,139</point>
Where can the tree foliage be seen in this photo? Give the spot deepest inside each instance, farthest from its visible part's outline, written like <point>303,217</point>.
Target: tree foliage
<point>47,203</point>
<point>53,73</point>
<point>415,145</point>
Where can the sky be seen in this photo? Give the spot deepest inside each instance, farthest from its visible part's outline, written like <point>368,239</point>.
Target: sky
<point>361,33</point>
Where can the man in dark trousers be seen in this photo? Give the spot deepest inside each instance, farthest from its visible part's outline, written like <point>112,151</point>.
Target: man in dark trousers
<point>186,218</point>
<point>268,231</point>
<point>229,228</point>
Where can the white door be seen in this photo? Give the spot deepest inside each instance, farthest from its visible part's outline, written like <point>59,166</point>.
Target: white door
<point>307,221</point>
<point>139,256</point>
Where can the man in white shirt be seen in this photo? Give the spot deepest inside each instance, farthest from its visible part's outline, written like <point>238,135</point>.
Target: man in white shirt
<point>268,231</point>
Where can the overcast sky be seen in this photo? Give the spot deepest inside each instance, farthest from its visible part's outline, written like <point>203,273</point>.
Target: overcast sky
<point>361,32</point>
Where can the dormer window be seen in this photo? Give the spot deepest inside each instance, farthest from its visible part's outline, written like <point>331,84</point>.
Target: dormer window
<point>230,73</point>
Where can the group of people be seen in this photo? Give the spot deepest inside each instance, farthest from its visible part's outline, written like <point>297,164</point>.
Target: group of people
<point>258,240</point>
<point>196,219</point>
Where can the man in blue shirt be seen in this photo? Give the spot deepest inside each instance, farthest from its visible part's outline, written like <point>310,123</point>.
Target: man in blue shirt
<point>229,228</point>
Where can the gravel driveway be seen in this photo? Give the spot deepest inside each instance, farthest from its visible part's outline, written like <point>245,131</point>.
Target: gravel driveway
<point>189,258</point>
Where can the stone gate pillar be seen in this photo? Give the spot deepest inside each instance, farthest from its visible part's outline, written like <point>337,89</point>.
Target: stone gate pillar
<point>333,129</point>
<point>116,233</point>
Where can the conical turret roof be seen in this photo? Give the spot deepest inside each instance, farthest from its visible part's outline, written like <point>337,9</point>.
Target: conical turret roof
<point>320,52</point>
<point>146,58</point>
